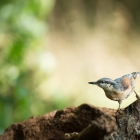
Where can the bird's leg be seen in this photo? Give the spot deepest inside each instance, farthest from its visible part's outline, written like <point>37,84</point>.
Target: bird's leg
<point>137,96</point>
<point>118,111</point>
<point>120,101</point>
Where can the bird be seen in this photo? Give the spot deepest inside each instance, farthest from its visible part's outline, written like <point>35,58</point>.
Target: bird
<point>120,88</point>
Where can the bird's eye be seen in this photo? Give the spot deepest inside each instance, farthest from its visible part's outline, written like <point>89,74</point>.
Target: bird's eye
<point>134,73</point>
<point>102,82</point>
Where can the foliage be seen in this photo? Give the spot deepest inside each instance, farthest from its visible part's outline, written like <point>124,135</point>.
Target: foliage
<point>22,27</point>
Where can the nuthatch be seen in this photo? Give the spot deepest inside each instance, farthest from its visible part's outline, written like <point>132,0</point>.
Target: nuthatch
<point>120,88</point>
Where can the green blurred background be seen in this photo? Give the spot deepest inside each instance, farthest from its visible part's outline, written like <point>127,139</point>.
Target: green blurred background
<point>50,50</point>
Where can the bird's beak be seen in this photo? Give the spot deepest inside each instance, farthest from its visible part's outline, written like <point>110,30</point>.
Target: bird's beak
<point>94,83</point>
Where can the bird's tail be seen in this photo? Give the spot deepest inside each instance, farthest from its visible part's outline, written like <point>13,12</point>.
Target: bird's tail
<point>135,74</point>
<point>138,73</point>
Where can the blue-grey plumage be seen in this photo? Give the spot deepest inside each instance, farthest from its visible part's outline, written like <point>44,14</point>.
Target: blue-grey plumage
<point>120,88</point>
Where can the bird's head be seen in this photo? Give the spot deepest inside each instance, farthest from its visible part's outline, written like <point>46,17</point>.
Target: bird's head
<point>104,83</point>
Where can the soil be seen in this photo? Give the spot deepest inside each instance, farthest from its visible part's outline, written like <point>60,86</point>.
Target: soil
<point>85,122</point>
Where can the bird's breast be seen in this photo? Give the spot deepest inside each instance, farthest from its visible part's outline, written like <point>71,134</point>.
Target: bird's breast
<point>118,95</point>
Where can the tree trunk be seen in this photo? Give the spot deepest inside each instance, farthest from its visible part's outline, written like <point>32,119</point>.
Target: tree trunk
<point>85,122</point>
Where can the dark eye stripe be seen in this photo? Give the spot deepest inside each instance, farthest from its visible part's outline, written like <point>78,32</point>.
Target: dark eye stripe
<point>107,82</point>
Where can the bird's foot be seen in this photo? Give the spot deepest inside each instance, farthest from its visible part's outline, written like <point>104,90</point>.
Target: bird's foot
<point>118,112</point>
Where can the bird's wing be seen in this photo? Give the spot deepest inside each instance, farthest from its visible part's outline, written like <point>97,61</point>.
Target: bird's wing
<point>124,82</point>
